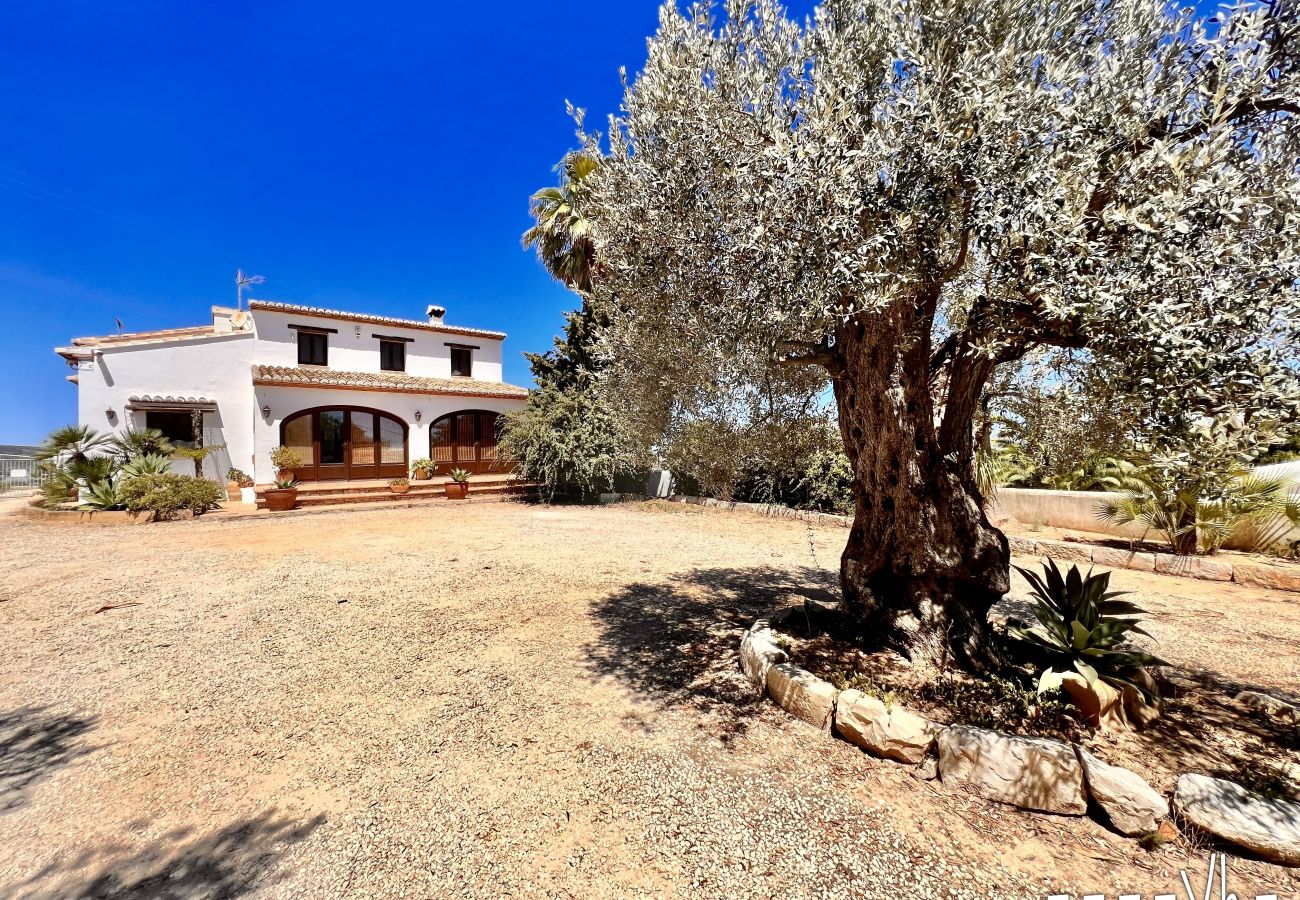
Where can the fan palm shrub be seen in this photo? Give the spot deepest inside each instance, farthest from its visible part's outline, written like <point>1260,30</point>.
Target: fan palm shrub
<point>1085,628</point>
<point>92,469</point>
<point>72,443</point>
<point>1197,512</point>
<point>133,443</point>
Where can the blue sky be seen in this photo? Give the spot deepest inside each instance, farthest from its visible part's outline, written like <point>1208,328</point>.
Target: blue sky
<point>374,157</point>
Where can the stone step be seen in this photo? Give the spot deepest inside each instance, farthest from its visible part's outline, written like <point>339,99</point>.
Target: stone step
<point>500,490</point>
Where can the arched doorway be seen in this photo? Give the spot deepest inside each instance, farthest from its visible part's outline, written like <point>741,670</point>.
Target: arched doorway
<point>466,440</point>
<point>346,443</point>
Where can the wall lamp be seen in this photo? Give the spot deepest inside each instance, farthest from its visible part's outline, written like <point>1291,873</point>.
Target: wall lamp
<point>417,415</point>
<point>266,411</point>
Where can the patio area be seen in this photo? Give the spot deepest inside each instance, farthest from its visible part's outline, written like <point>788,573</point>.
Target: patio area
<point>492,700</point>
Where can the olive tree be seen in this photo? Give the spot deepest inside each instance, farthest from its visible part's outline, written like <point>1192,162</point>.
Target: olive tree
<point>910,193</point>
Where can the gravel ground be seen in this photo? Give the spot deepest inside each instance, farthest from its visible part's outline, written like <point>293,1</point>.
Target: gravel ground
<point>482,701</point>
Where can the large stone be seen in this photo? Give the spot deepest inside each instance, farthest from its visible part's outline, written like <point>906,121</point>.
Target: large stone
<point>1132,805</point>
<point>1022,545</point>
<point>802,694</point>
<point>1274,578</point>
<point>889,732</point>
<point>759,651</point>
<point>1065,551</point>
<point>1268,828</point>
<point>1124,559</point>
<point>1268,705</point>
<point>1194,567</point>
<point>1032,773</point>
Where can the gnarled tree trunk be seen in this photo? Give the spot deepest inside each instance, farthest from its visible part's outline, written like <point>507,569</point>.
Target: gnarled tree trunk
<point>923,565</point>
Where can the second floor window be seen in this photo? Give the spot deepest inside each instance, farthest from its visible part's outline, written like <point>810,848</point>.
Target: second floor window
<point>392,356</point>
<point>462,362</point>
<point>313,349</point>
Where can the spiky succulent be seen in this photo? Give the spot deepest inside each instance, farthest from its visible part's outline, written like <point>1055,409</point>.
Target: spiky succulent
<point>1085,627</point>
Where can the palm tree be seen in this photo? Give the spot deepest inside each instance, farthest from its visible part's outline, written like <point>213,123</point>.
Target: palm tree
<point>72,444</point>
<point>561,235</point>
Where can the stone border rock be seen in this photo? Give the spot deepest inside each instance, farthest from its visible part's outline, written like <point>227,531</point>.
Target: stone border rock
<point>771,510</point>
<point>1254,574</point>
<point>83,516</point>
<point>1035,774</point>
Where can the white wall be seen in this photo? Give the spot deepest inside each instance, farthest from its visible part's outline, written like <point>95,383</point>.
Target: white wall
<point>218,368</point>
<point>285,401</point>
<point>354,349</point>
<point>1077,510</point>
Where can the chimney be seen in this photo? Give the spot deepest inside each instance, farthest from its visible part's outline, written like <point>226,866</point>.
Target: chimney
<point>435,314</point>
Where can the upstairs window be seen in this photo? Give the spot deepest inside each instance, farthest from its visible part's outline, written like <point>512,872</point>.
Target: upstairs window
<point>462,362</point>
<point>313,348</point>
<point>392,356</point>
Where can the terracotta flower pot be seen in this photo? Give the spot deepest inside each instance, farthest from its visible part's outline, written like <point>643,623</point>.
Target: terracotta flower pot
<point>457,490</point>
<point>399,488</point>
<point>421,474</point>
<point>281,499</point>
<point>232,491</point>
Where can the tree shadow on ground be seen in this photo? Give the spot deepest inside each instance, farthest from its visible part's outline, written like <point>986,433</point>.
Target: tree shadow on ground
<point>33,742</point>
<point>230,862</point>
<point>678,643</point>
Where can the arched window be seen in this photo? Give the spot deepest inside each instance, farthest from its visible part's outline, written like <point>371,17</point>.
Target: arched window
<point>346,443</point>
<point>466,440</point>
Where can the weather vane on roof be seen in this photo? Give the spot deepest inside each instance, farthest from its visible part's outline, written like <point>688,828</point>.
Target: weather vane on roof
<point>242,281</point>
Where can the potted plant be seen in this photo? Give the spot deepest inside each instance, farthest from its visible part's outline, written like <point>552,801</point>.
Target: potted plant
<point>422,469</point>
<point>399,485</point>
<point>285,462</point>
<point>236,481</point>
<point>284,496</point>
<point>458,487</point>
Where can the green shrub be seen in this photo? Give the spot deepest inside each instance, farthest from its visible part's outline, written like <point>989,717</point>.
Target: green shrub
<point>283,458</point>
<point>166,496</point>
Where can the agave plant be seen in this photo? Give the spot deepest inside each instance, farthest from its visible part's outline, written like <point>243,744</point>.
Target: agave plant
<point>148,464</point>
<point>103,495</point>
<point>1085,628</point>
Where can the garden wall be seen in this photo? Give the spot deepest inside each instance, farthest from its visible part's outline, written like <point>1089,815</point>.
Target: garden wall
<point>1078,510</point>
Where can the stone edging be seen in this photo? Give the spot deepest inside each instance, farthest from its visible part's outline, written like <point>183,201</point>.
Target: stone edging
<point>1035,774</point>
<point>1208,568</point>
<point>83,516</point>
<point>771,510</point>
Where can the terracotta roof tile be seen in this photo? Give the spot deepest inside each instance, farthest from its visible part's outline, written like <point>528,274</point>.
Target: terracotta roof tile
<point>275,306</point>
<point>399,382</point>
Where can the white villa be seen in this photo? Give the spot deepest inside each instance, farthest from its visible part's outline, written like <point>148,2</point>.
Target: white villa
<point>358,396</point>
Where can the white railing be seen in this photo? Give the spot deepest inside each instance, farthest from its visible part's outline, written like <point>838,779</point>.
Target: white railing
<point>19,473</point>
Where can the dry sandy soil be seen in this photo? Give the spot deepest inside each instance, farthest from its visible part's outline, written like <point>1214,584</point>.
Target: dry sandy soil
<point>496,700</point>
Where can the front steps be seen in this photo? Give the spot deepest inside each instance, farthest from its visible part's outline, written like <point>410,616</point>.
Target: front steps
<point>338,493</point>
